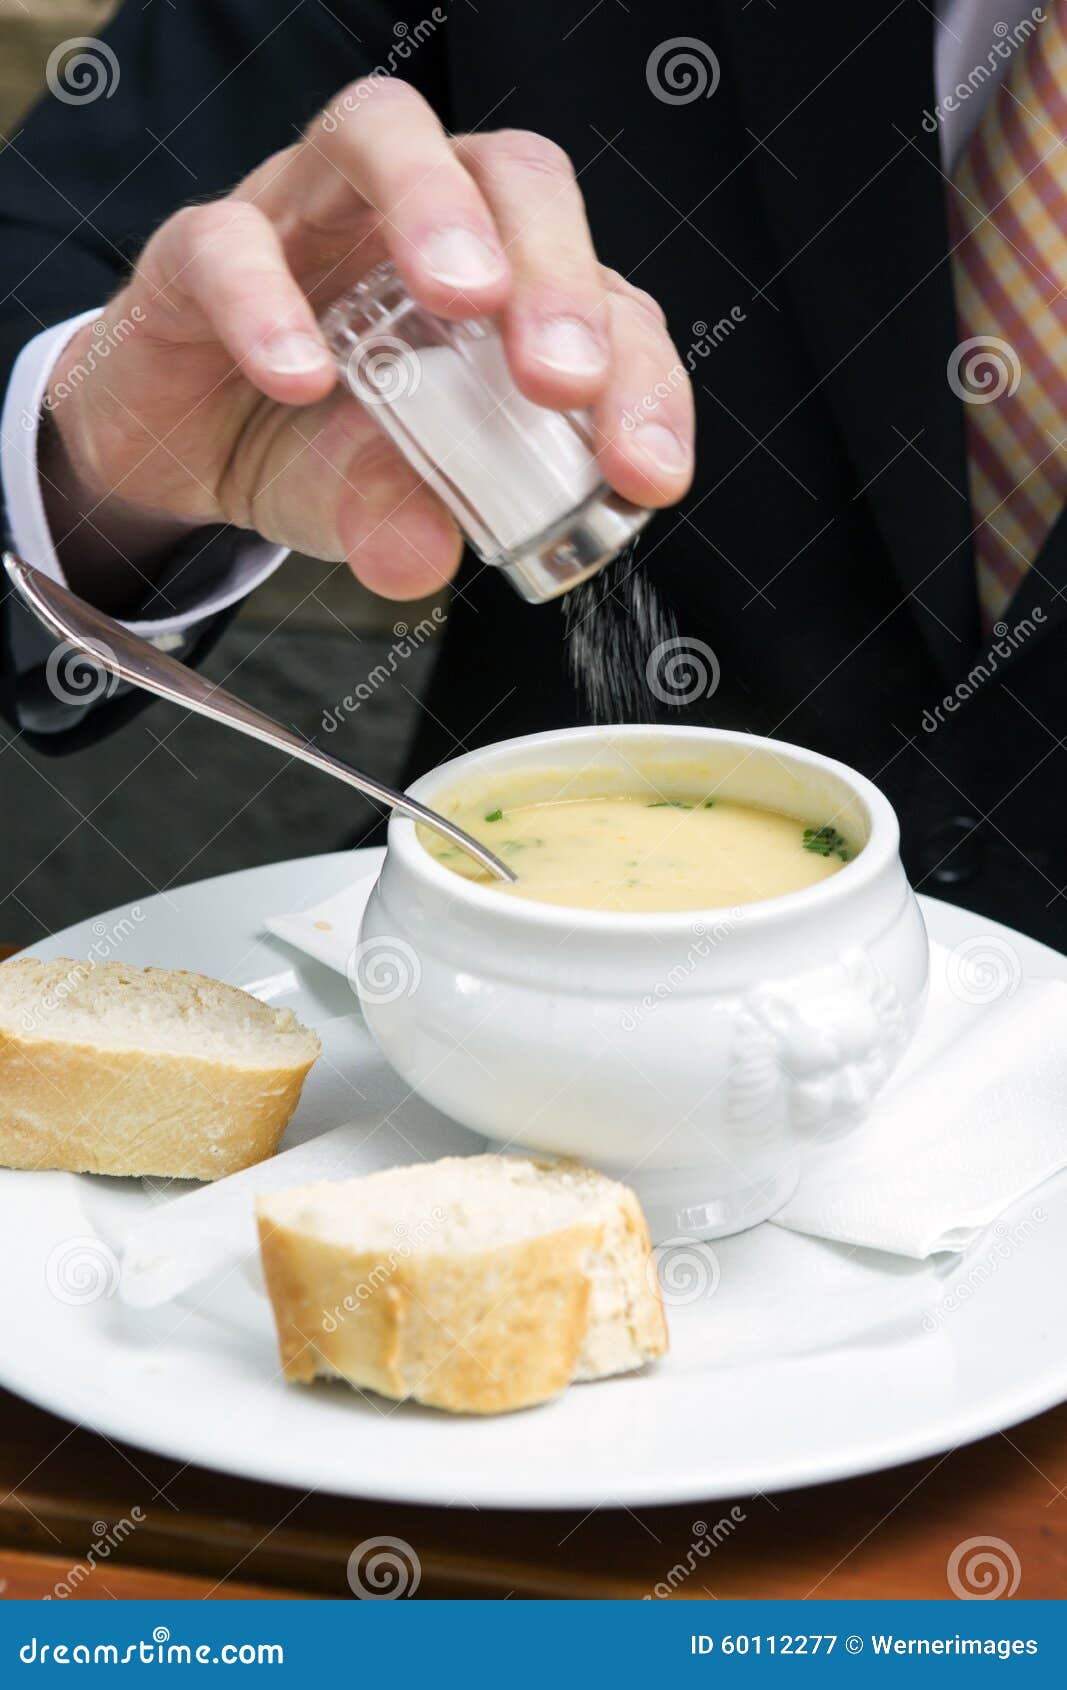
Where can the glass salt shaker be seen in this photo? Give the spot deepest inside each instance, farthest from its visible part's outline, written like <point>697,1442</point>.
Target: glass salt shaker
<point>521,481</point>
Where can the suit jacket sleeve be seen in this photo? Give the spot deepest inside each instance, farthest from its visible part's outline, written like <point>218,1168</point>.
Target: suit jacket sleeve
<point>192,98</point>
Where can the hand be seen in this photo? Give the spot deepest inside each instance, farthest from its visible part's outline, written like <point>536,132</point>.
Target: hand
<point>218,401</point>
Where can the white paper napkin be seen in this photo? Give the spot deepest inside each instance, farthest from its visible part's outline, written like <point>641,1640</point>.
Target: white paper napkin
<point>330,930</point>
<point>975,1118</point>
<point>210,1233</point>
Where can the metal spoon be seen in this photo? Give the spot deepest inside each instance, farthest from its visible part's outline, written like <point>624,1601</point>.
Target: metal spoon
<point>111,647</point>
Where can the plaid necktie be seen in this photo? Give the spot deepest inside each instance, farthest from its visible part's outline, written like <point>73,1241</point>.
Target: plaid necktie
<point>1008,220</point>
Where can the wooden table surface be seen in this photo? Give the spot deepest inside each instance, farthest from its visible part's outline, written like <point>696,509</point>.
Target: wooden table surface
<point>163,1529</point>
<point>85,1518</point>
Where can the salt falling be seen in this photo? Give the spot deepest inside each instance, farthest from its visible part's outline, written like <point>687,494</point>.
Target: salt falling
<point>613,624</point>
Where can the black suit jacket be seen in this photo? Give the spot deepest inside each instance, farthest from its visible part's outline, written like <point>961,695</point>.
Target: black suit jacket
<point>825,551</point>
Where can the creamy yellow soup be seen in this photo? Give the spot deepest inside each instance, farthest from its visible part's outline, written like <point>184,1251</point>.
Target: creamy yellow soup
<point>640,852</point>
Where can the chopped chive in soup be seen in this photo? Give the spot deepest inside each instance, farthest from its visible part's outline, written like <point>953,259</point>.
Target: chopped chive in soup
<point>826,842</point>
<point>624,852</point>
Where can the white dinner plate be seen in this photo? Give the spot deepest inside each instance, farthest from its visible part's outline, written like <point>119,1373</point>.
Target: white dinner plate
<point>792,1360</point>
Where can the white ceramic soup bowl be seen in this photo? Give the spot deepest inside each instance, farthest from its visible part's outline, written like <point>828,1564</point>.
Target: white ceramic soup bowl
<point>695,1055</point>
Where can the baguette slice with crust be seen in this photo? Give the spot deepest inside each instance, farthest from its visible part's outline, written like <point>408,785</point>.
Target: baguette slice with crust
<point>477,1284</point>
<point>110,1069</point>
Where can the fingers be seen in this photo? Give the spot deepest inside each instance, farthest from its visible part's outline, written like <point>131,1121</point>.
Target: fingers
<point>397,536</point>
<point>327,481</point>
<point>490,224</point>
<point>643,418</point>
<point>390,151</point>
<point>484,225</point>
<point>227,259</point>
<point>555,323</point>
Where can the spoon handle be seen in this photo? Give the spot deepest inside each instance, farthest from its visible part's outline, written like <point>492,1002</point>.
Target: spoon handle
<point>111,647</point>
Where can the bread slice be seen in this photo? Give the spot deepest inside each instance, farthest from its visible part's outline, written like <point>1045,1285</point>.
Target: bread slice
<point>109,1069</point>
<point>477,1284</point>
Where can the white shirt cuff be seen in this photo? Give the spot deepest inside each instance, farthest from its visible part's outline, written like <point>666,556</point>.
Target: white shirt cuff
<point>251,561</point>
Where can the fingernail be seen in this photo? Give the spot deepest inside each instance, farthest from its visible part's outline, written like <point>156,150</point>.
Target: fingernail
<point>462,259</point>
<point>293,354</point>
<point>662,445</point>
<point>565,343</point>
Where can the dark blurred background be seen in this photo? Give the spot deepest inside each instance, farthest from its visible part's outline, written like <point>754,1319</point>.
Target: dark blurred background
<point>80,833</point>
